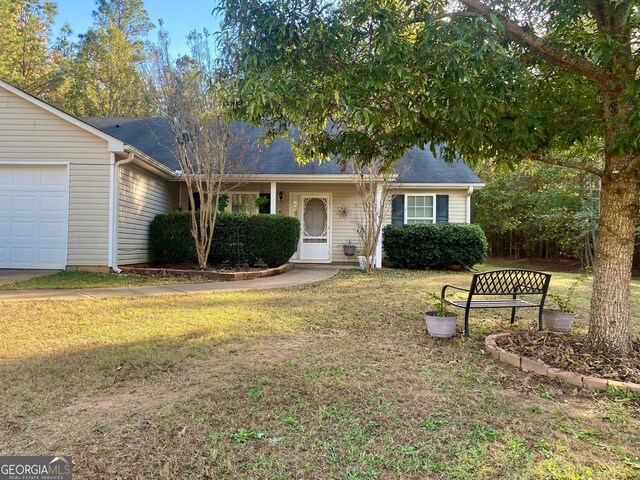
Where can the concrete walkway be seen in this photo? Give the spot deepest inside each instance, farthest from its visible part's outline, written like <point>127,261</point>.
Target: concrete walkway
<point>298,276</point>
<point>10,276</point>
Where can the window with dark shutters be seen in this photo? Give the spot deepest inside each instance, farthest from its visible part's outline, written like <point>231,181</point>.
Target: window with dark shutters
<point>397,210</point>
<point>442,208</point>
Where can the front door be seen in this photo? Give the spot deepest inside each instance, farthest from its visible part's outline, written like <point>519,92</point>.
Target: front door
<point>315,221</point>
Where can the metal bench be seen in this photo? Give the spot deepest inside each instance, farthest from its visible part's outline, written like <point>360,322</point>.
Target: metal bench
<point>502,282</point>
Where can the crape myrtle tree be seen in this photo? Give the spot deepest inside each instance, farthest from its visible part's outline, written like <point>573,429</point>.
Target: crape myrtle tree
<point>372,180</point>
<point>211,150</point>
<point>508,80</point>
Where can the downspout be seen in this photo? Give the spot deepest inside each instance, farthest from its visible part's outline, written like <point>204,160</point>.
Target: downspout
<point>115,194</point>
<point>469,193</point>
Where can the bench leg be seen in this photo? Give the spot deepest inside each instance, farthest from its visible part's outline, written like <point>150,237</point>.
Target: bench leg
<point>513,316</point>
<point>540,320</point>
<point>466,322</point>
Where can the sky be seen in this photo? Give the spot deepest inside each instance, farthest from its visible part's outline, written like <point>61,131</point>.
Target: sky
<point>180,17</point>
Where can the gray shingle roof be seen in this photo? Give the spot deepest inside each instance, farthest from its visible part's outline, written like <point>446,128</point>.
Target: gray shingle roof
<point>153,137</point>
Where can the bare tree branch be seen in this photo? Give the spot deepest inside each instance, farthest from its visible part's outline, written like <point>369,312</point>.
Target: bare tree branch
<point>372,185</point>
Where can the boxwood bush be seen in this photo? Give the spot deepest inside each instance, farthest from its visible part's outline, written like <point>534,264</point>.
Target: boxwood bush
<point>434,245</point>
<point>238,239</point>
<point>170,238</point>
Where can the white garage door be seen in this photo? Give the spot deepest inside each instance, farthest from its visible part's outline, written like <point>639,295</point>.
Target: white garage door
<point>33,217</point>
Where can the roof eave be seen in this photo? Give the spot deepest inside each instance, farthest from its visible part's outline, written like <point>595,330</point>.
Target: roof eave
<point>160,167</point>
<point>414,185</point>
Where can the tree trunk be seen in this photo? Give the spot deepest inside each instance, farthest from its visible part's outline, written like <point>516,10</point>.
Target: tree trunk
<point>609,327</point>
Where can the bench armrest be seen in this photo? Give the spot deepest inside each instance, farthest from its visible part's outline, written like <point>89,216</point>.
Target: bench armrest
<point>444,290</point>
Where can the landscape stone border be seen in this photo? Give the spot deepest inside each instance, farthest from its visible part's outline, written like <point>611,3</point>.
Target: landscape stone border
<point>540,368</point>
<point>224,276</point>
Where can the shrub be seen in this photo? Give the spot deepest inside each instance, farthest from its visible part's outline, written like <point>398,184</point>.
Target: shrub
<point>238,239</point>
<point>274,238</point>
<point>170,238</point>
<point>434,245</point>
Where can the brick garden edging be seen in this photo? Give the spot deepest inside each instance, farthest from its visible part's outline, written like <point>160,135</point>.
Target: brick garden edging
<point>225,277</point>
<point>540,368</point>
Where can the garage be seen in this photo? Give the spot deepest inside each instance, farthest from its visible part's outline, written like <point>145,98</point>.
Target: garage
<point>34,203</point>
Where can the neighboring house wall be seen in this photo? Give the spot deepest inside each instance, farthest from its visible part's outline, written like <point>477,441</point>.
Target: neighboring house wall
<point>30,134</point>
<point>143,195</point>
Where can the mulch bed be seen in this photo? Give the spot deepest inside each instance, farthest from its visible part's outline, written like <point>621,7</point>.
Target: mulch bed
<point>215,268</point>
<point>569,352</point>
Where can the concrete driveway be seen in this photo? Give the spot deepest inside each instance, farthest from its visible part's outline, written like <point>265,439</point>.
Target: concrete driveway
<point>10,276</point>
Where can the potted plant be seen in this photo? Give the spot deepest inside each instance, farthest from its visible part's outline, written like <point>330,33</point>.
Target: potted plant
<point>561,318</point>
<point>349,249</point>
<point>440,322</point>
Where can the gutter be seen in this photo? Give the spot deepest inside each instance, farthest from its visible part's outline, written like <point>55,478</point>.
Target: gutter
<point>114,194</point>
<point>169,173</point>
<point>469,193</point>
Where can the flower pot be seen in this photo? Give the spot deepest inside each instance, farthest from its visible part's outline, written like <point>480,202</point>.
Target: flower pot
<point>557,321</point>
<point>349,250</point>
<point>362,262</point>
<point>441,327</point>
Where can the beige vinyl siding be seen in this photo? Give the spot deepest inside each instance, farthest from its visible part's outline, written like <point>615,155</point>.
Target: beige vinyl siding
<point>29,133</point>
<point>345,194</point>
<point>142,197</point>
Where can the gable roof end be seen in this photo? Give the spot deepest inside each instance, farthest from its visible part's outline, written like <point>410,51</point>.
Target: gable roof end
<point>115,145</point>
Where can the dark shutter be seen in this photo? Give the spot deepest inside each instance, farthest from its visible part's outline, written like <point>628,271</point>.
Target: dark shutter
<point>442,208</point>
<point>397,210</point>
<point>196,201</point>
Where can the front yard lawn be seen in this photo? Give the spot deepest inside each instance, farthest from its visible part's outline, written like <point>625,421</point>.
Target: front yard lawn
<point>77,279</point>
<point>334,380</point>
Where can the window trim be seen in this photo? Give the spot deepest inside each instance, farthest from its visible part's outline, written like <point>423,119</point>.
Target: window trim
<point>406,205</point>
<point>229,208</point>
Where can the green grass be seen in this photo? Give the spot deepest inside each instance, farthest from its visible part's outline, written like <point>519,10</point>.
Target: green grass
<point>334,380</point>
<point>69,279</point>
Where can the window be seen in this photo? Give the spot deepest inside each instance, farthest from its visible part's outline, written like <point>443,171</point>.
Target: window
<point>420,209</point>
<point>244,203</point>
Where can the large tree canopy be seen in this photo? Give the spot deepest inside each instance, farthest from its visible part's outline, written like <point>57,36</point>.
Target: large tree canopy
<point>105,79</point>
<point>29,57</point>
<point>547,80</point>
<point>395,74</point>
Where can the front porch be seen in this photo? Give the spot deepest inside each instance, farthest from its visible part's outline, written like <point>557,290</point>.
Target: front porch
<point>327,210</point>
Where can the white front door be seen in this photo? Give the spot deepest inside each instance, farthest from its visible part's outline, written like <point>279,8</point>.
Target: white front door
<point>315,221</point>
<point>33,217</point>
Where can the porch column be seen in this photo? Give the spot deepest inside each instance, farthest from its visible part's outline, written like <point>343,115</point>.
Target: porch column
<point>380,217</point>
<point>273,205</point>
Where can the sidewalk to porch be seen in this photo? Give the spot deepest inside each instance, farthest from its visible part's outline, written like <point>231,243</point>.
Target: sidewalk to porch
<point>301,275</point>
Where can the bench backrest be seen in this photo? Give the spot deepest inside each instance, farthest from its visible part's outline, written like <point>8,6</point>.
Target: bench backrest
<point>510,282</point>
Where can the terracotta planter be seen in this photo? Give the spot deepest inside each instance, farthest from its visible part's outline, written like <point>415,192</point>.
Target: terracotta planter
<point>556,321</point>
<point>441,327</point>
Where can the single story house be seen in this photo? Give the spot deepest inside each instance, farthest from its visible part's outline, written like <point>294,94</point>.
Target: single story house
<point>81,193</point>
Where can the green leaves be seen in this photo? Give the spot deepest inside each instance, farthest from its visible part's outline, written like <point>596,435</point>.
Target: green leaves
<point>406,74</point>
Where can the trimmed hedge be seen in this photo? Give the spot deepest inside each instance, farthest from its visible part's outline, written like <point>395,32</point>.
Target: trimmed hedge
<point>434,245</point>
<point>237,239</point>
<point>170,238</point>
